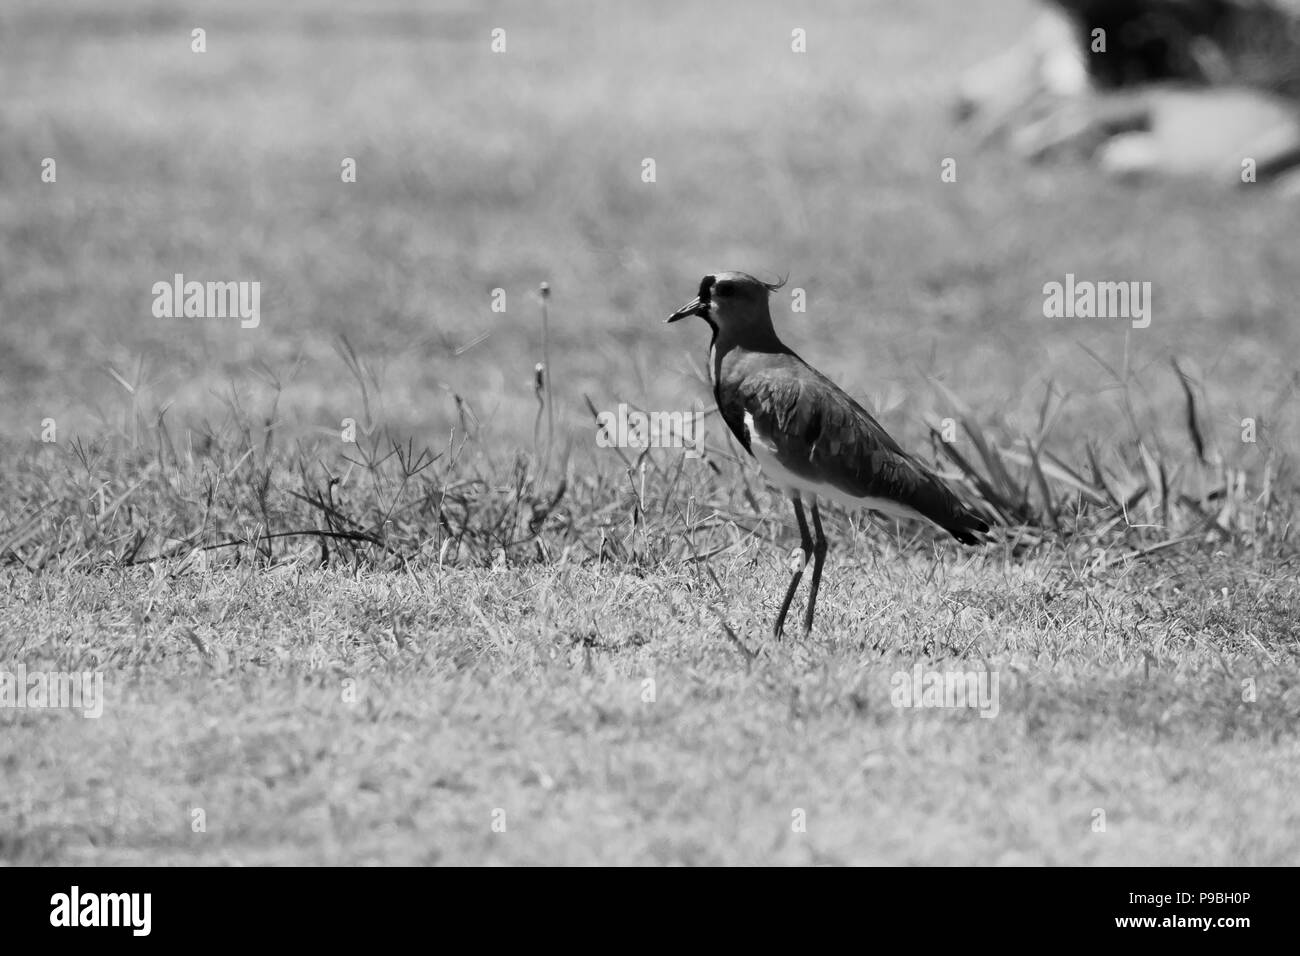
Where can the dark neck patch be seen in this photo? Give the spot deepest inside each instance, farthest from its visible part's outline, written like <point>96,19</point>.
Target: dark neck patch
<point>706,290</point>
<point>729,402</point>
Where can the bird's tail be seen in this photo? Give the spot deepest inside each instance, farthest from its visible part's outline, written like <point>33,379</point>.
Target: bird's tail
<point>966,526</point>
<point>952,514</point>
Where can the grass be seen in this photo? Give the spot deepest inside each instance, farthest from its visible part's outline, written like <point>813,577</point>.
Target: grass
<point>524,690</point>
<point>359,652</point>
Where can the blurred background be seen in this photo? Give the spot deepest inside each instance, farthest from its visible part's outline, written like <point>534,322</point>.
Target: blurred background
<point>479,170</point>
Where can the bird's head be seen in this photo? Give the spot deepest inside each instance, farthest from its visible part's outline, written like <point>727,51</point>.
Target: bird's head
<point>734,303</point>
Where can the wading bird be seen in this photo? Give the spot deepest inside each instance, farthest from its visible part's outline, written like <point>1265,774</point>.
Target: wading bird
<point>808,435</point>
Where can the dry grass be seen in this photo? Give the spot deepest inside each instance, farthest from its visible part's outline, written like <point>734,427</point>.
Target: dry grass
<point>523,690</point>
<point>497,586</point>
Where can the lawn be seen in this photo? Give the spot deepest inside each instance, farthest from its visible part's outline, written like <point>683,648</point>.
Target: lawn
<point>319,651</point>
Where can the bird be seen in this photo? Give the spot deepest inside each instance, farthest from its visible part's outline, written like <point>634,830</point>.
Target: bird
<point>809,436</point>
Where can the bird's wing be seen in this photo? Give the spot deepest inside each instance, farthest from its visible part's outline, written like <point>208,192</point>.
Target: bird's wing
<point>819,433</point>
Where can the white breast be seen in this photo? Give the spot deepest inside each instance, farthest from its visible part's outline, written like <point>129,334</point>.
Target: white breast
<point>764,451</point>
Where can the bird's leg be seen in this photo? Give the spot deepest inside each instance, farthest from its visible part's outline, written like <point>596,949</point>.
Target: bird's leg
<point>805,542</point>
<point>819,557</point>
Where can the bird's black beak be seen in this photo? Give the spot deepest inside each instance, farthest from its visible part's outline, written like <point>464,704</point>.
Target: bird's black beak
<point>694,307</point>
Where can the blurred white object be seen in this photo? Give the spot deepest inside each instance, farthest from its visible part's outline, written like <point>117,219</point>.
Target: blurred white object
<point>1048,61</point>
<point>1205,132</point>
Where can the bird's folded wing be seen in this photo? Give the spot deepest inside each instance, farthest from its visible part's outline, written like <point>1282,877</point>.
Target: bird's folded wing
<point>818,432</point>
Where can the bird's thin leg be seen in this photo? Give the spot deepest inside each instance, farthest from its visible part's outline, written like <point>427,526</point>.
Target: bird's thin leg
<point>805,542</point>
<point>819,557</point>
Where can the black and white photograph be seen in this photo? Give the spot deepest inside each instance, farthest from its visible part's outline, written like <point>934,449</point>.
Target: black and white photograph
<point>717,434</point>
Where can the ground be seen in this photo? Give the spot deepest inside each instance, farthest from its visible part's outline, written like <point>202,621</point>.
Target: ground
<point>504,676</point>
<point>482,692</point>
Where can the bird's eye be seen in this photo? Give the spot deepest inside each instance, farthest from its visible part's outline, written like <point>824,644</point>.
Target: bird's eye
<point>723,288</point>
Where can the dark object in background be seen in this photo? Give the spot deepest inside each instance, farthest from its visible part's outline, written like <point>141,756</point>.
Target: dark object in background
<point>1252,43</point>
<point>1208,89</point>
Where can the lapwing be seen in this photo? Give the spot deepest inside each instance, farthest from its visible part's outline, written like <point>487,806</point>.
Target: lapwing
<point>808,435</point>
